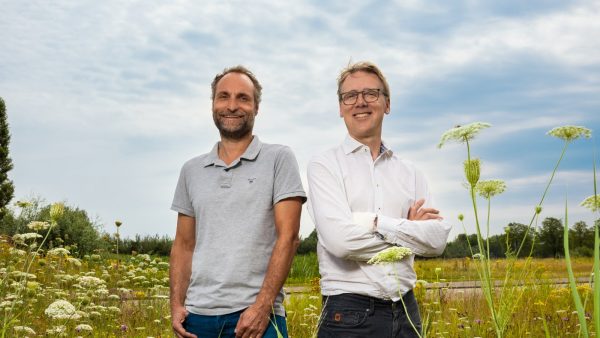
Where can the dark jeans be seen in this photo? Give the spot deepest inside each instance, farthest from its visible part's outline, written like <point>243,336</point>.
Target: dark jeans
<point>223,326</point>
<point>350,315</point>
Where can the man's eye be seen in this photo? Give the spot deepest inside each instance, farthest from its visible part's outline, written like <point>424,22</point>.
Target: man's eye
<point>350,95</point>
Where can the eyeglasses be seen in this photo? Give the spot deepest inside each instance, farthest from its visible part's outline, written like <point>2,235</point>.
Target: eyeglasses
<point>369,95</point>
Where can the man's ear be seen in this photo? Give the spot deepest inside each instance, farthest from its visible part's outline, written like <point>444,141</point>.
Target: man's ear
<point>387,105</point>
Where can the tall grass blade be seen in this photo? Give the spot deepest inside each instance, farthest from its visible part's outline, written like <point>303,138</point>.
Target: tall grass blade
<point>596,261</point>
<point>572,284</point>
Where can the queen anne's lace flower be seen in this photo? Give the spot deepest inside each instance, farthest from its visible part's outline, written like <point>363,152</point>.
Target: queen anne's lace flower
<point>20,238</point>
<point>570,133</point>
<point>58,252</point>
<point>56,211</point>
<point>24,330</point>
<point>472,170</point>
<point>37,225</point>
<point>463,133</point>
<point>390,255</point>
<point>592,203</point>
<point>490,188</point>
<point>83,327</point>
<point>62,309</point>
<point>57,331</point>
<point>89,282</point>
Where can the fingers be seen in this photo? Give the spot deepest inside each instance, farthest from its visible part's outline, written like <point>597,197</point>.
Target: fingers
<point>177,324</point>
<point>181,332</point>
<point>413,211</point>
<point>251,325</point>
<point>417,213</point>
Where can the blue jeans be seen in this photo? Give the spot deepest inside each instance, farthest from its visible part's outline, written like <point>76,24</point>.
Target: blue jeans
<point>350,315</point>
<point>223,326</point>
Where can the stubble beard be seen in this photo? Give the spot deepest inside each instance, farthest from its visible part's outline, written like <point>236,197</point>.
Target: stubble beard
<point>236,133</point>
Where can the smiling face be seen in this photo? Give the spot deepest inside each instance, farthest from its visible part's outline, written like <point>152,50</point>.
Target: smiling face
<point>234,106</point>
<point>364,119</point>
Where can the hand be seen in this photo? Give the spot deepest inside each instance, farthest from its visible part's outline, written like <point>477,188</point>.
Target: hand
<point>417,213</point>
<point>253,322</point>
<point>178,315</point>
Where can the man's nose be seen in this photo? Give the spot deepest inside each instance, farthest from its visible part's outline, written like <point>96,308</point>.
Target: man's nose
<point>232,105</point>
<point>360,100</point>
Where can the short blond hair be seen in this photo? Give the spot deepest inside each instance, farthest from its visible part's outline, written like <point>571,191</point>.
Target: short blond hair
<point>362,66</point>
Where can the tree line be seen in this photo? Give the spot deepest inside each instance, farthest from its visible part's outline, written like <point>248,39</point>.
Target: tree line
<point>77,232</point>
<point>543,241</point>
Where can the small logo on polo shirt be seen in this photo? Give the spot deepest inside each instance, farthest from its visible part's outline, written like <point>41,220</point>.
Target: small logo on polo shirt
<point>251,180</point>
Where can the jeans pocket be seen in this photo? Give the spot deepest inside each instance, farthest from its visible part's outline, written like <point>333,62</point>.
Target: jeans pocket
<point>344,318</point>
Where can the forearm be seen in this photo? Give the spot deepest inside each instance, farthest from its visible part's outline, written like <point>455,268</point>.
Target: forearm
<point>425,238</point>
<point>278,270</point>
<point>179,274</point>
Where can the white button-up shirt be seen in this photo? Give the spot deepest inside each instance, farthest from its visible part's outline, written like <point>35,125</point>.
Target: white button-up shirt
<point>347,189</point>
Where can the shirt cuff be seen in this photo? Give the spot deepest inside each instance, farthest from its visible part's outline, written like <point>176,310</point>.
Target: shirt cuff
<point>365,219</point>
<point>387,226</point>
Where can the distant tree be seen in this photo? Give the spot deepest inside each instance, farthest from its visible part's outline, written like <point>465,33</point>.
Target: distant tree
<point>7,188</point>
<point>551,238</point>
<point>459,247</point>
<point>75,230</point>
<point>308,244</point>
<point>581,240</point>
<point>513,237</point>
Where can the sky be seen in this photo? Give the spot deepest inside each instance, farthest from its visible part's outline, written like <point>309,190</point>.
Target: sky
<point>107,99</point>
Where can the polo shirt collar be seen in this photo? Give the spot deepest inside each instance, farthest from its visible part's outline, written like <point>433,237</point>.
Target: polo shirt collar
<point>250,154</point>
<point>351,145</point>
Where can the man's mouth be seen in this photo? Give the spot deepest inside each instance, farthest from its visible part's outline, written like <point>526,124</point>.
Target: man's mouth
<point>361,114</point>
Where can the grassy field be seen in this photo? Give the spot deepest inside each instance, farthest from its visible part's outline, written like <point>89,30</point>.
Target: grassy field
<point>464,313</point>
<point>305,268</point>
<point>127,297</point>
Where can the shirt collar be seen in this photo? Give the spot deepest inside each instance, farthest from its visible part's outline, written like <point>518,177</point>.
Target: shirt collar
<point>351,145</point>
<point>250,154</point>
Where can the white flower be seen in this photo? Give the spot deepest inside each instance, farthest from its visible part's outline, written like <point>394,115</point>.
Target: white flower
<point>390,255</point>
<point>17,252</point>
<point>37,225</point>
<point>490,188</point>
<point>57,330</point>
<point>592,203</point>
<point>463,133</point>
<point>89,282</point>
<point>26,236</point>
<point>83,327</point>
<point>58,252</point>
<point>24,330</point>
<point>74,261</point>
<point>62,309</point>
<point>570,133</point>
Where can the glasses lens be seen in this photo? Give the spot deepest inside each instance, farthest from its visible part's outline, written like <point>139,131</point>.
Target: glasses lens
<point>350,97</point>
<point>371,95</point>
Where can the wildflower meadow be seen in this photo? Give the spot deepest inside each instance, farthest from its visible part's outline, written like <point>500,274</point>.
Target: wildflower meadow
<point>56,290</point>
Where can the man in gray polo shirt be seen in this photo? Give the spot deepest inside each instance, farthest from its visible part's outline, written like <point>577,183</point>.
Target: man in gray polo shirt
<point>237,226</point>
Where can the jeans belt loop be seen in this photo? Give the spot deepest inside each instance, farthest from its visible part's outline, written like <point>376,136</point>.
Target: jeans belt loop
<point>372,306</point>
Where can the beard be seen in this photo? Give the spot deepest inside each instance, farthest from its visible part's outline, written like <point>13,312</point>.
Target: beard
<point>236,131</point>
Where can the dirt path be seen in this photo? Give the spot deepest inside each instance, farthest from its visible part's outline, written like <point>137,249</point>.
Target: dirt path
<point>458,285</point>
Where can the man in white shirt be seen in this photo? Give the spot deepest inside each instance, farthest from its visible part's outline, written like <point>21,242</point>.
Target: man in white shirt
<point>363,199</point>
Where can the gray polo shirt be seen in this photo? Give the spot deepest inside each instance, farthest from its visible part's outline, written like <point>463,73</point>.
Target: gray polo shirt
<point>235,228</point>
